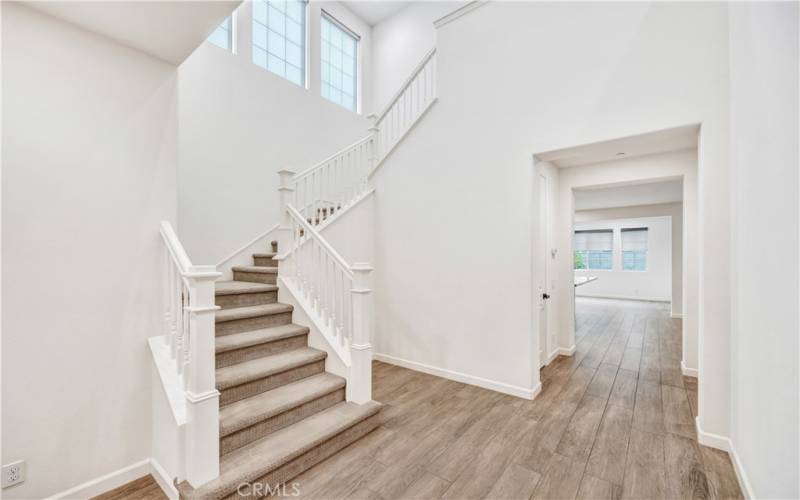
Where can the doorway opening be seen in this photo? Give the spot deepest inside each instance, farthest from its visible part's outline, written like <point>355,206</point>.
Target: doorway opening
<point>616,221</point>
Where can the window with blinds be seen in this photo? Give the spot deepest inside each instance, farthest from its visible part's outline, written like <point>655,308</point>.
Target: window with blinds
<point>634,249</point>
<point>593,249</point>
<point>339,63</point>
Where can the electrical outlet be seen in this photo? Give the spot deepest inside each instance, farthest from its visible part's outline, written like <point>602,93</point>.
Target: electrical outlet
<point>13,473</point>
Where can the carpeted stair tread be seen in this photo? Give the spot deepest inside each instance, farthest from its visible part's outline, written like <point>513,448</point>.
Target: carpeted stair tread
<point>269,255</point>
<point>241,373</point>
<point>244,413</point>
<point>259,458</point>
<point>256,269</point>
<point>251,312</point>
<point>255,337</point>
<point>237,287</point>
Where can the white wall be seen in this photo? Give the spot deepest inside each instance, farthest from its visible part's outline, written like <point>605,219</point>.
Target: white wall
<point>89,163</point>
<point>672,210</point>
<point>240,124</point>
<point>654,283</point>
<point>462,180</point>
<point>399,44</point>
<point>765,420</point>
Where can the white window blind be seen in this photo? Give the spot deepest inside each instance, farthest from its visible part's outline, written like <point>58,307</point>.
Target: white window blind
<point>634,249</point>
<point>593,249</point>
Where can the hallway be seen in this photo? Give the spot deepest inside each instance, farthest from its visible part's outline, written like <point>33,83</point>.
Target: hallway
<point>615,420</point>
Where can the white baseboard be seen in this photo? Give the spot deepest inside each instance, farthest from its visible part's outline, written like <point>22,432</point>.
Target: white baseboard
<point>725,444</point>
<point>163,480</point>
<point>513,390</point>
<point>744,482</point>
<point>107,482</point>
<point>710,439</point>
<point>120,477</point>
<point>689,372</point>
<point>675,315</point>
<point>565,351</point>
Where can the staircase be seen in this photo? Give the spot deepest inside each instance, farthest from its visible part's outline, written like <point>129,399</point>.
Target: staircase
<point>242,399</point>
<point>280,411</point>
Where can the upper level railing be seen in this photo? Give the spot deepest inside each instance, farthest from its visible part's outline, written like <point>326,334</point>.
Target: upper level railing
<point>188,298</point>
<point>415,96</point>
<point>335,182</point>
<point>335,295</point>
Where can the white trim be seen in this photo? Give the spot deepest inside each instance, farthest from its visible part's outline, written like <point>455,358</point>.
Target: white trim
<point>107,482</point>
<point>744,482</point>
<point>689,372</point>
<point>164,481</point>
<point>725,444</point>
<point>565,351</point>
<point>449,18</point>
<point>120,477</point>
<point>248,245</point>
<point>621,297</point>
<point>675,315</point>
<point>713,440</point>
<point>513,390</point>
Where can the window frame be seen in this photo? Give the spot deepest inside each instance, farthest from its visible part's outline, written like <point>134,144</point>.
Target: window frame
<point>585,252</point>
<point>622,232</point>
<point>327,16</point>
<point>304,50</point>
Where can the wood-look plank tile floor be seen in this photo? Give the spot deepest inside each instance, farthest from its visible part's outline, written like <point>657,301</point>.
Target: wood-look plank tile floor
<point>615,420</point>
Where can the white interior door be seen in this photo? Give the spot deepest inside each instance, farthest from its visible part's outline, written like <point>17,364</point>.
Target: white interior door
<point>543,268</point>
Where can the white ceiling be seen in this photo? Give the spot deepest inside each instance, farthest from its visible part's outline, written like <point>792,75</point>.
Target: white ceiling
<point>662,141</point>
<point>375,11</point>
<point>167,30</point>
<point>629,195</point>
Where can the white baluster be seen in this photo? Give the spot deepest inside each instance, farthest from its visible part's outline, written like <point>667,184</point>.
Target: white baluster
<point>166,295</point>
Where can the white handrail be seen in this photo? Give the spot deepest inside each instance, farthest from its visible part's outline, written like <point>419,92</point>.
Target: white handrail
<point>334,183</point>
<point>174,246</point>
<point>413,99</point>
<point>417,69</point>
<point>334,294</point>
<point>313,233</point>
<point>331,157</point>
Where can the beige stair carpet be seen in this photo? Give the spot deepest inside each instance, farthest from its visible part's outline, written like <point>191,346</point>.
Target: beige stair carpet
<point>280,411</point>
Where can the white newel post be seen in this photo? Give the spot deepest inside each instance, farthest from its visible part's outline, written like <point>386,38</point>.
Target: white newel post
<point>285,240</point>
<point>360,383</point>
<point>202,397</point>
